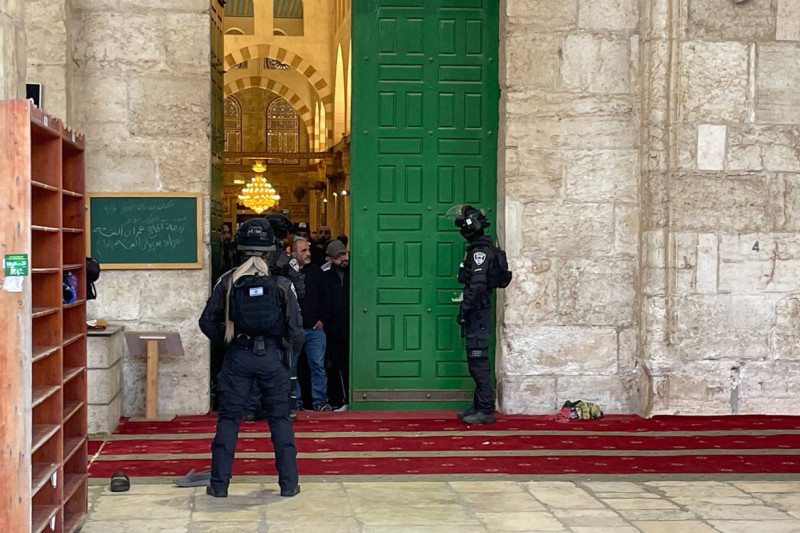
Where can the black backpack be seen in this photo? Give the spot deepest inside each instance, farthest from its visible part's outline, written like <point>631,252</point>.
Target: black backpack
<point>92,275</point>
<point>499,276</point>
<point>255,306</point>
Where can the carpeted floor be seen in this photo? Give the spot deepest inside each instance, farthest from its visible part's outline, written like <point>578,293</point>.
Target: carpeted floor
<point>429,443</point>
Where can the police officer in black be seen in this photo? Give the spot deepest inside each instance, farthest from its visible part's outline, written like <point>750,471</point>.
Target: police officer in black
<point>475,312</point>
<point>241,298</point>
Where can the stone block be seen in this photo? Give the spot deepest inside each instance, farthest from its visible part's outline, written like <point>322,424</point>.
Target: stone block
<point>569,230</point>
<point>128,167</point>
<point>186,99</point>
<point>687,145</point>
<point>608,15</point>
<point>714,77</point>
<point>723,19</point>
<point>12,55</point>
<point>715,203</point>
<point>54,93</point>
<point>578,133</point>
<point>526,104</point>
<point>626,230</point>
<point>104,384</point>
<point>759,262</point>
<point>533,60</point>
<point>533,299</point>
<point>707,263</point>
<point>104,351</point>
<point>14,9</point>
<point>784,202</point>
<point>534,175</point>
<point>174,156</point>
<point>602,176</point>
<point>685,257</point>
<point>182,6</point>
<point>613,394</point>
<point>788,20</point>
<point>653,251</point>
<point>786,333</point>
<point>186,41</point>
<point>596,64</point>
<point>544,350</point>
<point>769,387</point>
<point>526,395</point>
<point>627,348</point>
<point>46,27</point>
<point>777,75</point>
<point>597,292</point>
<point>119,296</point>
<point>710,147</point>
<point>118,41</point>
<point>759,148</point>
<point>172,294</point>
<point>103,99</point>
<point>104,418</point>
<point>698,388</point>
<point>543,14</point>
<point>723,326</point>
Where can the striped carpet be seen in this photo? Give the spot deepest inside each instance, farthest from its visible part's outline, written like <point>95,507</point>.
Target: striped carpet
<point>370,443</point>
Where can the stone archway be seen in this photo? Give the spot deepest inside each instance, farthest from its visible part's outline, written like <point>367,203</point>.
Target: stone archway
<point>306,115</point>
<point>300,64</point>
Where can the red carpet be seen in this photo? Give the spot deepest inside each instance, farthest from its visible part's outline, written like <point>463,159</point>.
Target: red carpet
<point>414,443</point>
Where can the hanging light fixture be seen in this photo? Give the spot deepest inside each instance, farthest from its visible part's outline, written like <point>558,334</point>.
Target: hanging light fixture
<point>259,195</point>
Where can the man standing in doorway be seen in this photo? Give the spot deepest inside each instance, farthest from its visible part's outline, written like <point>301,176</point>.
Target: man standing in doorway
<point>315,308</point>
<point>337,278</point>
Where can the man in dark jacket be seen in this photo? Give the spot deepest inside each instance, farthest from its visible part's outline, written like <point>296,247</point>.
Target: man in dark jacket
<point>315,308</point>
<point>475,312</point>
<point>337,278</point>
<point>259,326</point>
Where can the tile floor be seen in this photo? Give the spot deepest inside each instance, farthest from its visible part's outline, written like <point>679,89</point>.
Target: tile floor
<point>472,506</point>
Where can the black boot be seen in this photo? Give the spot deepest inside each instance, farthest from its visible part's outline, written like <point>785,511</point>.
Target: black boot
<point>288,493</point>
<point>468,412</point>
<point>217,492</point>
<point>479,418</point>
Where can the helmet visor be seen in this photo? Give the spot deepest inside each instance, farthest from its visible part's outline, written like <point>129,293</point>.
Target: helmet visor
<point>456,212</point>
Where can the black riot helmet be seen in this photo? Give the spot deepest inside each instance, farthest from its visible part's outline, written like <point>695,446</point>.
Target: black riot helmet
<point>254,237</point>
<point>281,225</point>
<point>471,221</point>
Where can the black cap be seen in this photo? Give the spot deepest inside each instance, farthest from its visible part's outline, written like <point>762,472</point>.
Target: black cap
<point>255,235</point>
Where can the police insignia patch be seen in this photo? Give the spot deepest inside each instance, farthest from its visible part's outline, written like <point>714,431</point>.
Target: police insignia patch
<point>294,264</point>
<point>479,258</point>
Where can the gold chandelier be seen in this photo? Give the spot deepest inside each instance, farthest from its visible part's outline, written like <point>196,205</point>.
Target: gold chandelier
<point>259,195</point>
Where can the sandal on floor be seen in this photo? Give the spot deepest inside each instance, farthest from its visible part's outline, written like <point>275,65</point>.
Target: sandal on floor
<point>194,479</point>
<point>120,482</point>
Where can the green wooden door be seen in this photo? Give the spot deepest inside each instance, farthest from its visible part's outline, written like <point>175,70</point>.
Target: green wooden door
<point>424,137</point>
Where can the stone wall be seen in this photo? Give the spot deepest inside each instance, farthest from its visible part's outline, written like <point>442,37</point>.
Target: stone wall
<point>12,49</point>
<point>141,81</point>
<point>49,53</point>
<point>720,239</point>
<point>571,201</point>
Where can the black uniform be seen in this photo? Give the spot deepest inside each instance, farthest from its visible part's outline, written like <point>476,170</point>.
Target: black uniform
<point>475,317</point>
<point>245,364</point>
<point>283,264</point>
<point>337,330</point>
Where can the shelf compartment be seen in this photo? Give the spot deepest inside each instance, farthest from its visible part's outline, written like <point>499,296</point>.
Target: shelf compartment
<point>73,445</point>
<point>47,330</point>
<point>74,171</point>
<point>46,158</point>
<point>71,407</point>
<point>45,207</point>
<point>41,434</point>
<point>76,507</point>
<point>46,249</point>
<point>47,291</point>
<point>41,473</point>
<point>74,248</point>
<point>72,482</point>
<point>42,393</point>
<point>75,318</point>
<point>41,352</point>
<point>39,312</point>
<point>71,372</point>
<point>74,355</point>
<point>69,338</point>
<point>42,515</point>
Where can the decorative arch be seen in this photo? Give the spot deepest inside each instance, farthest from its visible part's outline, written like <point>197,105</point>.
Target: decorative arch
<point>338,118</point>
<point>283,129</point>
<point>278,88</point>
<point>295,61</point>
<point>234,31</point>
<point>349,94</point>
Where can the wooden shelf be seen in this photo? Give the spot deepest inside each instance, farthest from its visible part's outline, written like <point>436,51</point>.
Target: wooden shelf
<point>46,229</point>
<point>40,185</point>
<point>41,393</point>
<point>72,266</point>
<point>71,483</point>
<point>72,230</point>
<point>51,270</point>
<point>71,372</point>
<point>42,432</point>
<point>72,445</point>
<point>76,303</point>
<point>40,352</point>
<point>70,408</point>
<point>72,521</point>
<point>39,312</point>
<point>69,338</point>
<point>72,193</point>
<point>41,474</point>
<point>41,516</point>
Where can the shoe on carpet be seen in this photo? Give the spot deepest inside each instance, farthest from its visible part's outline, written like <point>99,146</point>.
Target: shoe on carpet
<point>291,492</point>
<point>292,416</point>
<point>323,407</point>
<point>479,418</point>
<point>345,407</point>
<point>468,412</point>
<point>217,492</point>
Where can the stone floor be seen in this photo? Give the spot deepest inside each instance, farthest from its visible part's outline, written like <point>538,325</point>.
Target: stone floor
<point>473,506</point>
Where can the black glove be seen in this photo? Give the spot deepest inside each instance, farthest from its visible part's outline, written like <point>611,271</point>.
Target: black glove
<point>461,320</point>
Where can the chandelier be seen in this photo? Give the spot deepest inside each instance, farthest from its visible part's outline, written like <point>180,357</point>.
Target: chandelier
<point>259,195</point>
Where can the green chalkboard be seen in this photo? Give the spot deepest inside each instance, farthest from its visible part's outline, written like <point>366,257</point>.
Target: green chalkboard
<point>145,230</point>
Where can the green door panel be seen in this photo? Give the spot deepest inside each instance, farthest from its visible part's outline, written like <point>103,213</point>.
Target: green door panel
<point>424,137</point>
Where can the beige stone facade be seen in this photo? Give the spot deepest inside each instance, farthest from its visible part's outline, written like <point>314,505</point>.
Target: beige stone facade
<point>649,178</point>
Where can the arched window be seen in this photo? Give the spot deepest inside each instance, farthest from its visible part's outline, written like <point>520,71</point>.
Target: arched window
<point>239,17</point>
<point>287,17</point>
<point>233,128</point>
<point>338,117</point>
<point>283,130</point>
<point>349,94</point>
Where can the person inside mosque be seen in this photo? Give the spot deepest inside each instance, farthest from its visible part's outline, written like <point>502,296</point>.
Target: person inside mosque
<point>318,244</point>
<point>337,278</point>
